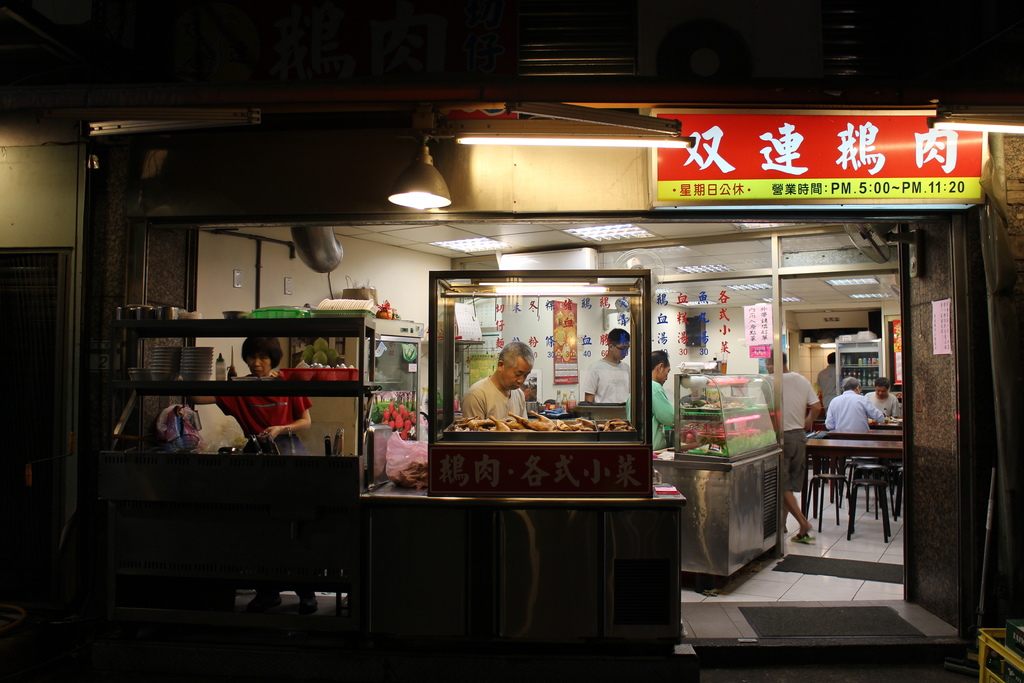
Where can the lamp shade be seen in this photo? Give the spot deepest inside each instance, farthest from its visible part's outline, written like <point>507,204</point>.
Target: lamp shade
<point>421,185</point>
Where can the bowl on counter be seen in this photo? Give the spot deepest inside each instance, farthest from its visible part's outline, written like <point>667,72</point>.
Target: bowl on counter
<point>140,374</point>
<point>235,315</point>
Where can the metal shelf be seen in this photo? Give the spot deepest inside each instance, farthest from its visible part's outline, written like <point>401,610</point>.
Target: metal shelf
<point>248,327</point>
<point>246,388</point>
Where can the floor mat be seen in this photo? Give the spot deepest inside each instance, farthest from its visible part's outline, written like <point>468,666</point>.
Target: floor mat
<point>824,622</point>
<point>846,569</point>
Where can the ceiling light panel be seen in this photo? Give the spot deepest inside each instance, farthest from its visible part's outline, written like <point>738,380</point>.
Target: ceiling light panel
<point>713,268</point>
<point>785,299</point>
<point>842,282</point>
<point>872,295</point>
<point>751,285</point>
<point>472,245</point>
<point>600,233</point>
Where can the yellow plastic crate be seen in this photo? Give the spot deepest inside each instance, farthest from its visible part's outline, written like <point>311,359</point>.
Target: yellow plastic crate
<point>990,640</point>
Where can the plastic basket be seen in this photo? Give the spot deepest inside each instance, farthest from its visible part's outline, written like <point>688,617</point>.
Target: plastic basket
<point>298,374</point>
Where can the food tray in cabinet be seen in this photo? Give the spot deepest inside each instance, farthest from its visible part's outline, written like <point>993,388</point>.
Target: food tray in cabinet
<point>523,436</point>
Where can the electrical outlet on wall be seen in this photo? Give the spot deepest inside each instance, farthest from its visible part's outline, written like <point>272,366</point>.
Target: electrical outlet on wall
<point>236,278</point>
<point>287,285</point>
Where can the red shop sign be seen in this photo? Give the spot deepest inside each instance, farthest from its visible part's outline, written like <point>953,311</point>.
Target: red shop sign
<point>824,158</point>
<point>541,470</point>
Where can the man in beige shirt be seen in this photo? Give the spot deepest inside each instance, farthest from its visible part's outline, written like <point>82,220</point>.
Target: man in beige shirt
<point>501,393</point>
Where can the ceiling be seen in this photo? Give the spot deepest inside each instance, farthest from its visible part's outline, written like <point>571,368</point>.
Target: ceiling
<point>670,247</point>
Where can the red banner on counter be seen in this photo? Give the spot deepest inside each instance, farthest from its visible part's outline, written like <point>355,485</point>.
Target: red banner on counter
<point>818,158</point>
<point>541,470</point>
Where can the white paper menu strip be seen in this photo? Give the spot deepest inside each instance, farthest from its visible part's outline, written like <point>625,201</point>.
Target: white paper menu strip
<point>466,324</point>
<point>942,327</point>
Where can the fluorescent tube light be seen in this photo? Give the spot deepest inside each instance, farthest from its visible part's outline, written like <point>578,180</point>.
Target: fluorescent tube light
<point>156,121</point>
<point>785,299</point>
<point>514,289</point>
<point>983,119</point>
<point>618,141</point>
<point>607,117</point>
<point>872,295</point>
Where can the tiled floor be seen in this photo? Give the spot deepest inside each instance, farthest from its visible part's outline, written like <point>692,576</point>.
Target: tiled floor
<point>715,614</point>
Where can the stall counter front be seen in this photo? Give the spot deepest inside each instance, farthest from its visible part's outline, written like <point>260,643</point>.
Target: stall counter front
<point>552,569</point>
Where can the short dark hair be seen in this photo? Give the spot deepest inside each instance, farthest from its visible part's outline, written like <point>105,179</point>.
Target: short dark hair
<point>831,358</point>
<point>883,382</point>
<point>266,345</point>
<point>515,350</point>
<point>618,336</point>
<point>659,357</point>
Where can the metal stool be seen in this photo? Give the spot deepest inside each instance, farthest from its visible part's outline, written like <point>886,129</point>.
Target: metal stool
<point>881,487</point>
<point>838,484</point>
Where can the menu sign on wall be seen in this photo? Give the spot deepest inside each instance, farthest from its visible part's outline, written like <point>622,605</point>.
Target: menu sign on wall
<point>818,158</point>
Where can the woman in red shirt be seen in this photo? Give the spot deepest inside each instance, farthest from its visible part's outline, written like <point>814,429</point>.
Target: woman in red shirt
<point>278,417</point>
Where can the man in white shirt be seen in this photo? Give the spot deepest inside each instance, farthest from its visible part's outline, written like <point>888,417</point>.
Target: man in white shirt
<point>883,400</point>
<point>800,407</point>
<point>827,381</point>
<point>501,393</point>
<point>850,411</point>
<point>607,379</point>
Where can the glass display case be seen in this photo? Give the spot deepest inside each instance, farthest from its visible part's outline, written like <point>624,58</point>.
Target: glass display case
<point>565,319</point>
<point>723,415</point>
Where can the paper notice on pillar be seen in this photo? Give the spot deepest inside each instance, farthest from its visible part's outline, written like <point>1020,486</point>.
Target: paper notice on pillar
<point>757,325</point>
<point>566,368</point>
<point>942,328</point>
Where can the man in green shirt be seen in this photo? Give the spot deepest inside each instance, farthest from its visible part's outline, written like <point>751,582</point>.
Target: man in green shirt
<point>664,413</point>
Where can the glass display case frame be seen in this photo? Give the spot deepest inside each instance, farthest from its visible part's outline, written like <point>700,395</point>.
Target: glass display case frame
<point>603,459</point>
<point>726,416</point>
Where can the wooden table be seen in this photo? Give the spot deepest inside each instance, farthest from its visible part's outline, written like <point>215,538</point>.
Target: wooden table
<point>837,450</point>
<point>893,426</point>
<point>867,435</point>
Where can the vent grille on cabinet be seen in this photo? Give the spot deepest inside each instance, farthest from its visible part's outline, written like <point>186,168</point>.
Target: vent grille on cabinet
<point>771,501</point>
<point>640,590</point>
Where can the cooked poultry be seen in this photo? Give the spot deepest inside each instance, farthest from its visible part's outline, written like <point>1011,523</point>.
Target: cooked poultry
<point>500,426</point>
<point>541,424</point>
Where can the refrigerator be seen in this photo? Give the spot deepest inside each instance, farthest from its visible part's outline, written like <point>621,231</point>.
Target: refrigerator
<point>861,359</point>
<point>398,359</point>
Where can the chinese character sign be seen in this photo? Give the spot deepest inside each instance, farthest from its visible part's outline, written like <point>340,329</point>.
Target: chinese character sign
<point>305,40</point>
<point>564,334</point>
<point>757,325</point>
<point>818,158</point>
<point>540,470</point>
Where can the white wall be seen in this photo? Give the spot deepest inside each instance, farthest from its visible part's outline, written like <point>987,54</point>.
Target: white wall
<point>401,276</point>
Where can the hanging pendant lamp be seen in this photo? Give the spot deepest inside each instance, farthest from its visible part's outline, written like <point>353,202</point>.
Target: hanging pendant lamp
<point>421,185</point>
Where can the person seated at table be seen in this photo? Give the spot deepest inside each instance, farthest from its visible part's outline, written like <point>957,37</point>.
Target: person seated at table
<point>883,400</point>
<point>849,412</point>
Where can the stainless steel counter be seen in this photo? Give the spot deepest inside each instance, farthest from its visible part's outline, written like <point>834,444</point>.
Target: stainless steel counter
<point>731,513</point>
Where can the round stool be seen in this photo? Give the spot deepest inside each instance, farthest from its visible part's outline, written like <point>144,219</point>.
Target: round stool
<point>838,484</point>
<point>869,471</point>
<point>881,487</point>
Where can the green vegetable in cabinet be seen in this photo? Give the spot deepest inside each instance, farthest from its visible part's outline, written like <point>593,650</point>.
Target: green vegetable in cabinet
<point>320,345</point>
<point>320,358</point>
<point>307,354</point>
<point>409,353</point>
<point>332,356</point>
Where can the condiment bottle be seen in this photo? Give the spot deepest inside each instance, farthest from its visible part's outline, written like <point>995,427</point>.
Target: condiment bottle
<point>220,371</point>
<point>231,368</point>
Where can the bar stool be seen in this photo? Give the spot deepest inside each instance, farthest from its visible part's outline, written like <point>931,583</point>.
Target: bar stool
<point>837,483</point>
<point>868,471</point>
<point>896,489</point>
<point>881,487</point>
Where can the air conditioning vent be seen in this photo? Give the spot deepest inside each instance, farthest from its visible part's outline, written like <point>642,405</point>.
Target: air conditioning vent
<point>771,502</point>
<point>575,38</point>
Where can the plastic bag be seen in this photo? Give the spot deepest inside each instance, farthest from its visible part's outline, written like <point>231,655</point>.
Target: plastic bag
<point>406,462</point>
<point>178,425</point>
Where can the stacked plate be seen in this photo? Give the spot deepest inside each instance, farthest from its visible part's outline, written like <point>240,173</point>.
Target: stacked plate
<point>197,363</point>
<point>165,363</point>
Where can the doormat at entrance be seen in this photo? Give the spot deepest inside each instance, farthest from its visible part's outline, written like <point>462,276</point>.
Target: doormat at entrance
<point>844,569</point>
<point>826,622</point>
